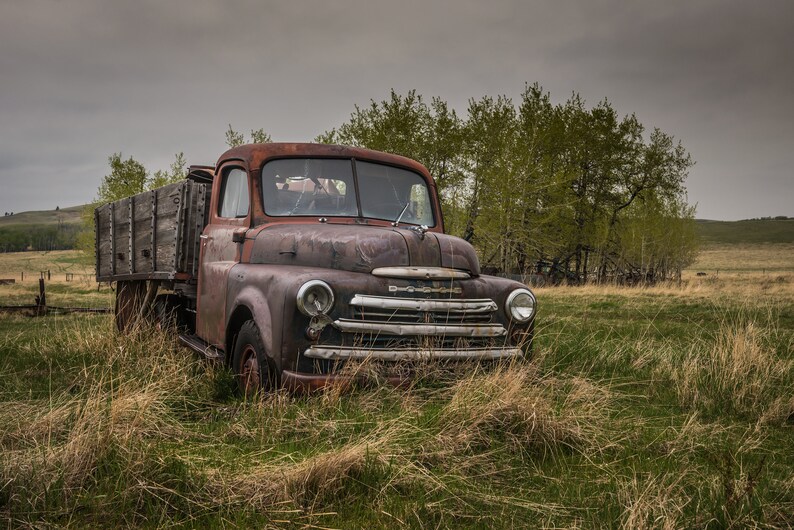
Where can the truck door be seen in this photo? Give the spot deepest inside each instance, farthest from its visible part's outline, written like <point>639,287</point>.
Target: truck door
<point>230,212</point>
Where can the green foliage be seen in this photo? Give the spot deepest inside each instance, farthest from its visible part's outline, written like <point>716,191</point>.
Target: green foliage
<point>259,136</point>
<point>539,183</point>
<point>176,172</point>
<point>234,138</point>
<point>407,126</point>
<point>17,238</point>
<point>126,177</point>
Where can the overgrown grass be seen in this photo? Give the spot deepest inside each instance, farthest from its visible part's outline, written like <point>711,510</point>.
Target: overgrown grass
<point>667,407</point>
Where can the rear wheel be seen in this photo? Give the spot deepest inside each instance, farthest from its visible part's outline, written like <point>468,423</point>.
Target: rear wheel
<point>253,369</point>
<point>130,297</point>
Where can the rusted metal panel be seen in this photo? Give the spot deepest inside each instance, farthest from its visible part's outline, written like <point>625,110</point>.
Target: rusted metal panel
<point>457,254</point>
<point>218,254</point>
<point>357,248</point>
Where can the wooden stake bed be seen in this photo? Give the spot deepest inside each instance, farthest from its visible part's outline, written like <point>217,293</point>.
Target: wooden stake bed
<point>153,235</point>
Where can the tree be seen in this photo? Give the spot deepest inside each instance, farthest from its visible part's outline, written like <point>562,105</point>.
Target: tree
<point>177,171</point>
<point>126,177</point>
<point>406,125</point>
<point>539,183</point>
<point>259,136</point>
<point>234,138</point>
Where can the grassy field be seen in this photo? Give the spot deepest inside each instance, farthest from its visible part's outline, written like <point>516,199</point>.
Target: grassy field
<point>25,268</point>
<point>662,407</point>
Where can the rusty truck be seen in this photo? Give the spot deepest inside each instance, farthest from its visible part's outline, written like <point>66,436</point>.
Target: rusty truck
<point>289,261</point>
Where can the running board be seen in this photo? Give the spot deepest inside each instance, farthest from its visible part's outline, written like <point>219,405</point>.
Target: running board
<point>199,346</point>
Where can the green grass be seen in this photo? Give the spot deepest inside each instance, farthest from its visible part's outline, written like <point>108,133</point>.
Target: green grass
<point>621,420</point>
<point>747,231</point>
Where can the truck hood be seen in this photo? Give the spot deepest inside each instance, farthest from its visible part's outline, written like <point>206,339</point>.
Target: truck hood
<point>360,248</point>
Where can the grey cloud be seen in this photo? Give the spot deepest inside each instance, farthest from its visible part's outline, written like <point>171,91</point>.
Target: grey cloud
<point>87,78</point>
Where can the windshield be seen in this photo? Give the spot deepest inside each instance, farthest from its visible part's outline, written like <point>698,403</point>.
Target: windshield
<point>325,187</point>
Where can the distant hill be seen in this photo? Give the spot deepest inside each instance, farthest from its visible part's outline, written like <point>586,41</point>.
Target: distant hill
<point>41,230</point>
<point>747,231</point>
<point>44,217</point>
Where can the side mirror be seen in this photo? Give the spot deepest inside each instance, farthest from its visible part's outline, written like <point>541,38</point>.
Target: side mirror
<point>238,236</point>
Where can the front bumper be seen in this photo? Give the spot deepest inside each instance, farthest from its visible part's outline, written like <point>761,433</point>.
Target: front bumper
<point>337,353</point>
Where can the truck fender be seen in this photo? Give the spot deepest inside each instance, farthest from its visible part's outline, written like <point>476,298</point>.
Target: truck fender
<point>251,304</point>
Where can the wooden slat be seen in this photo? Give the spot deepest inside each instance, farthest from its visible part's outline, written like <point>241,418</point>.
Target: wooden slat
<point>97,254</point>
<point>112,241</point>
<point>179,227</point>
<point>121,236</point>
<point>131,247</point>
<point>154,230</point>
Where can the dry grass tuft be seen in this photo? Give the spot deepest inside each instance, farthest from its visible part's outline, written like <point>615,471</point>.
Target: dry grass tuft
<point>309,481</point>
<point>532,414</point>
<point>653,502</point>
<point>737,371</point>
<point>57,446</point>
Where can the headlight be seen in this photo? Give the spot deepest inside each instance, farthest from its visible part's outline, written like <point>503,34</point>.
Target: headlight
<point>315,297</point>
<point>520,305</point>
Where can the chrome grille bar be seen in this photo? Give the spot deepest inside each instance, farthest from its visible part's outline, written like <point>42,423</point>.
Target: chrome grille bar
<point>347,325</point>
<point>482,305</point>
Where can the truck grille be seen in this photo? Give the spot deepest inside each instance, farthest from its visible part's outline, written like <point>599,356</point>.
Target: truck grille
<point>392,310</point>
<point>387,328</point>
<point>404,323</point>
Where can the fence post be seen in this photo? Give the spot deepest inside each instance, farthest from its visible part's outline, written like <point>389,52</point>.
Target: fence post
<point>41,299</point>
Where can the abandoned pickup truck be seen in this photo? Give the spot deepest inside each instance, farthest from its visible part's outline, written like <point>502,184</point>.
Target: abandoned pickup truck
<point>289,261</point>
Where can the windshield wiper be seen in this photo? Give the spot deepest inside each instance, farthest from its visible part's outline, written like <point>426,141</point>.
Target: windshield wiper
<point>397,221</point>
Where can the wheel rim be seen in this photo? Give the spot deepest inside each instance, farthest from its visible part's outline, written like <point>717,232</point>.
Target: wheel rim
<point>249,371</point>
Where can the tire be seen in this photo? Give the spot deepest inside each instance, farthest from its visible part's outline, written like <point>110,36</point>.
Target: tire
<point>253,370</point>
<point>129,298</point>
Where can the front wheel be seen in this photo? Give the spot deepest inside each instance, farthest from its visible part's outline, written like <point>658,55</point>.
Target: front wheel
<point>253,369</point>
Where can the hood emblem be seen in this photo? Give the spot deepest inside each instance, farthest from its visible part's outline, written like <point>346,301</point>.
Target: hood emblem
<point>426,290</point>
<point>421,230</point>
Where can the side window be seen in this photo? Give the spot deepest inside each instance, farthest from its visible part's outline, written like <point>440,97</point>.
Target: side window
<point>234,194</point>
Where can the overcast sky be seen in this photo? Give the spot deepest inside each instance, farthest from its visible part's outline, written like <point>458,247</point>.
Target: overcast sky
<point>82,79</point>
